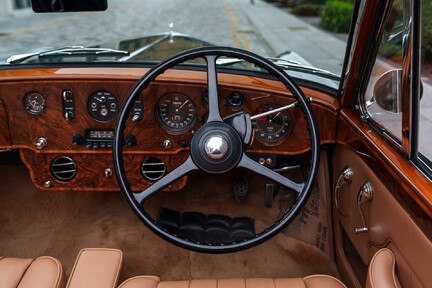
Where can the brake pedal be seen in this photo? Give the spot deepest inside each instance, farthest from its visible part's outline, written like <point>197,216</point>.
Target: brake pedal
<point>241,189</point>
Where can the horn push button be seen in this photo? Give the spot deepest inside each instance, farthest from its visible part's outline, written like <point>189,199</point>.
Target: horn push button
<point>216,148</point>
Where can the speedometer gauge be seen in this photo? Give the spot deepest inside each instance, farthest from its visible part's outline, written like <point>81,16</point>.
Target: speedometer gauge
<point>272,128</point>
<point>176,112</point>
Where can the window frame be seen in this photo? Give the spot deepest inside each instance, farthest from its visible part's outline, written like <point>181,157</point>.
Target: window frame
<point>411,83</point>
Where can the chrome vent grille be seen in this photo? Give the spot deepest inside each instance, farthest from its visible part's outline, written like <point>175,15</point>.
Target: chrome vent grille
<point>153,169</point>
<point>63,168</point>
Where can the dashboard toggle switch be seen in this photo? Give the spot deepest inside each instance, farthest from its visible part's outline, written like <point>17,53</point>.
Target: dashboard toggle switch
<point>68,105</point>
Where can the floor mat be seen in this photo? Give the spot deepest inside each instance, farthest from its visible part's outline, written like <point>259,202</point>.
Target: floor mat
<point>59,224</point>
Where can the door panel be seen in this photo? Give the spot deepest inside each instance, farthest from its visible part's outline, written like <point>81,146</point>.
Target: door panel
<point>388,222</point>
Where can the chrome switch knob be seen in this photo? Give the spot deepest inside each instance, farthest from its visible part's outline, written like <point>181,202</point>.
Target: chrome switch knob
<point>41,143</point>
<point>69,116</point>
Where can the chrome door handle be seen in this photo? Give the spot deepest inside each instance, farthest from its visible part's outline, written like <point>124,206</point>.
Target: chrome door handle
<point>345,177</point>
<point>366,191</point>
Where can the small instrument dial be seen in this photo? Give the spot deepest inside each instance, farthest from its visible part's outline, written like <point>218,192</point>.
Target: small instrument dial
<point>34,103</point>
<point>235,101</point>
<point>176,112</point>
<point>272,129</point>
<point>102,106</point>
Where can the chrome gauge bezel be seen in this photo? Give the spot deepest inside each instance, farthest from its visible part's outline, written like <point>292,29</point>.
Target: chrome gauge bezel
<point>34,103</point>
<point>170,115</point>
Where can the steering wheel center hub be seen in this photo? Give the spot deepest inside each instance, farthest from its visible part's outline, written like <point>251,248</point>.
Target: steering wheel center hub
<point>216,148</point>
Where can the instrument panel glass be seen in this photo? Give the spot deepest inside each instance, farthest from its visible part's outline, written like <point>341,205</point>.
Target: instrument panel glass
<point>102,106</point>
<point>272,129</point>
<point>34,103</point>
<point>176,112</point>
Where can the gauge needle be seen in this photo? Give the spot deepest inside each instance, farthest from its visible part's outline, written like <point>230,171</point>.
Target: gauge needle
<point>271,118</point>
<point>183,104</point>
<point>178,109</point>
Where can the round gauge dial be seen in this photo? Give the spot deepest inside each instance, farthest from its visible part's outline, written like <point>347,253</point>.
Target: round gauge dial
<point>235,101</point>
<point>34,103</point>
<point>272,128</point>
<point>176,112</point>
<point>102,106</point>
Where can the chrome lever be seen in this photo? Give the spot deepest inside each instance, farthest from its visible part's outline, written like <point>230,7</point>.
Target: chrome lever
<point>345,177</point>
<point>366,191</point>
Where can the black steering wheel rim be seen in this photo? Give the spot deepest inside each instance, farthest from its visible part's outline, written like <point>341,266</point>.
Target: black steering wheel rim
<point>136,202</point>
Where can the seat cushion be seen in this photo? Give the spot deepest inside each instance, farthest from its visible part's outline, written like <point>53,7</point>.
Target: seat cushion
<point>43,272</point>
<point>96,268</point>
<point>314,281</point>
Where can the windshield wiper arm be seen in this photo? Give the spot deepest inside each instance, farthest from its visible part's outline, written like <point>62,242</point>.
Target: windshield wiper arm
<point>68,51</point>
<point>297,66</point>
<point>284,63</point>
<point>83,51</point>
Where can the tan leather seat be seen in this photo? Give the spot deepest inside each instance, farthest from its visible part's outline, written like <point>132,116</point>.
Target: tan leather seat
<point>43,272</point>
<point>314,281</point>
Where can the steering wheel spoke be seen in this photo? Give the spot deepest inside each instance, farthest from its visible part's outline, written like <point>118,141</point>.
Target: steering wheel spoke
<point>249,164</point>
<point>182,170</point>
<point>213,96</point>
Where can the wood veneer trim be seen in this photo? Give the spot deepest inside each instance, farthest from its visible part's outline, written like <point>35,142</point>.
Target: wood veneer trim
<point>91,177</point>
<point>112,74</point>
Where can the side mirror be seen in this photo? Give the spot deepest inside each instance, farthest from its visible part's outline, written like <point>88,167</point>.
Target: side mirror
<point>387,92</point>
<point>44,6</point>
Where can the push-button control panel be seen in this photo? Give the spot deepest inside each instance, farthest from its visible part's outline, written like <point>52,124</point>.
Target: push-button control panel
<point>95,139</point>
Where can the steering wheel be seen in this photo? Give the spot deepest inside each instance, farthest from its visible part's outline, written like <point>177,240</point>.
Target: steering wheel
<point>217,147</point>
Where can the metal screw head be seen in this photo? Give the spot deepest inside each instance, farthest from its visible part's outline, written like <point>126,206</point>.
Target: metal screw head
<point>47,184</point>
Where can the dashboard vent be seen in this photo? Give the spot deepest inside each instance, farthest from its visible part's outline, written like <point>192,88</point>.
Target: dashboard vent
<point>153,169</point>
<point>63,168</point>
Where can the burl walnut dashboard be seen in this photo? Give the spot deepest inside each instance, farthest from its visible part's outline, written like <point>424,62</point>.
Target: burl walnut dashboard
<point>62,120</point>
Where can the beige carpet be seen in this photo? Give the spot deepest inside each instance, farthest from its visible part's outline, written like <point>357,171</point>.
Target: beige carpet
<point>59,224</point>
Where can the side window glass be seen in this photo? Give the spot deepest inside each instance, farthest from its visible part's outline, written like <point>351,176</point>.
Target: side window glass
<point>425,118</point>
<point>382,97</point>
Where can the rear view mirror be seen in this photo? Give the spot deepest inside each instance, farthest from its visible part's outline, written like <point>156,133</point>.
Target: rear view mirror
<point>387,91</point>
<point>44,6</point>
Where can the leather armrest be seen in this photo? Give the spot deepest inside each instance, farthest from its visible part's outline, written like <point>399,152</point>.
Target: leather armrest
<point>381,271</point>
<point>96,267</point>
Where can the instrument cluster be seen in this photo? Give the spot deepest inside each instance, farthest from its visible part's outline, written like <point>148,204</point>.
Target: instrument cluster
<point>177,113</point>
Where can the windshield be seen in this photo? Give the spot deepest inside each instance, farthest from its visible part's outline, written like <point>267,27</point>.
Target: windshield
<point>303,39</point>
